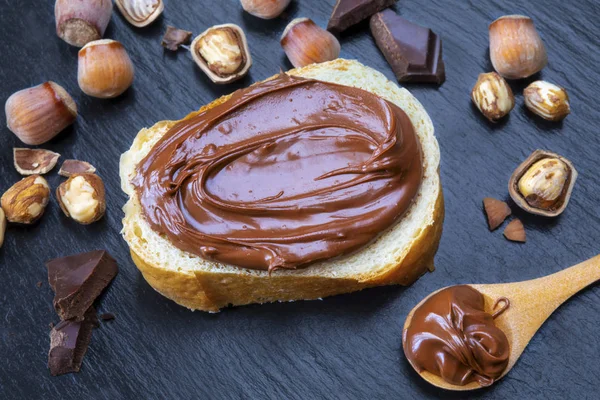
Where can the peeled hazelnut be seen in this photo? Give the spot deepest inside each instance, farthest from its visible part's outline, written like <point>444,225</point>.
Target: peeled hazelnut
<point>34,161</point>
<point>496,210</point>
<point>39,113</point>
<point>547,100</point>
<point>222,53</point>
<point>515,231</point>
<point>305,43</point>
<point>105,69</point>
<point>26,200</point>
<point>516,49</point>
<point>82,198</point>
<point>543,183</point>
<point>140,13</point>
<point>80,22</point>
<point>72,167</point>
<point>492,96</point>
<point>265,9</point>
<point>2,227</point>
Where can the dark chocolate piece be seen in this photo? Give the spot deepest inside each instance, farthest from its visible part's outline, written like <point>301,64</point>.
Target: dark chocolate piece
<point>175,37</point>
<point>413,52</point>
<point>350,12</point>
<point>69,341</point>
<point>107,316</point>
<point>78,280</point>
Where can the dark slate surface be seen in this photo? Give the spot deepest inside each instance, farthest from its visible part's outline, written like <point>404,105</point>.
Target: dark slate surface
<point>343,347</point>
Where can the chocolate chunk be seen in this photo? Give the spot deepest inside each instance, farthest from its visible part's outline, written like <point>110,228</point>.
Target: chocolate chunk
<point>175,37</point>
<point>413,52</point>
<point>69,341</point>
<point>78,280</point>
<point>350,12</point>
<point>107,316</point>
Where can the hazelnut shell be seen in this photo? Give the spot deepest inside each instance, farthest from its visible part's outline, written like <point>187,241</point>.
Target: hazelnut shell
<point>563,200</point>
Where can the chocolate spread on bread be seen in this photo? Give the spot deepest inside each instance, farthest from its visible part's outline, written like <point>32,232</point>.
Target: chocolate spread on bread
<point>282,174</point>
<point>450,335</point>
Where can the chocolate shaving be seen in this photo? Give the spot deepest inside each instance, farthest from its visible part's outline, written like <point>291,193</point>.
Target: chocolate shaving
<point>174,38</point>
<point>72,167</point>
<point>107,316</point>
<point>34,161</point>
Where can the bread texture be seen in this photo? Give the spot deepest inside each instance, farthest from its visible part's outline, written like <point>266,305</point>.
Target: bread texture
<point>400,255</point>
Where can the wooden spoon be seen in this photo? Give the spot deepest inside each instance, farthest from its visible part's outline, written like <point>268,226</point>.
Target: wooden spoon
<point>531,303</point>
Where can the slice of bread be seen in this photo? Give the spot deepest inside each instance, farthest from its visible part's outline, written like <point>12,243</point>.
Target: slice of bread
<point>399,256</point>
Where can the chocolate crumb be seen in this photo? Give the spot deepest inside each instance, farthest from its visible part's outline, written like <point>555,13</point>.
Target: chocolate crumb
<point>39,284</point>
<point>107,316</point>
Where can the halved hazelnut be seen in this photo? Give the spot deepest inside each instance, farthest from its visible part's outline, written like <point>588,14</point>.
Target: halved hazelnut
<point>34,161</point>
<point>26,200</point>
<point>496,210</point>
<point>305,43</point>
<point>72,167</point>
<point>515,231</point>
<point>543,183</point>
<point>104,69</point>
<point>82,198</point>
<point>80,22</point>
<point>39,113</point>
<point>516,49</point>
<point>140,13</point>
<point>222,53</point>
<point>175,38</point>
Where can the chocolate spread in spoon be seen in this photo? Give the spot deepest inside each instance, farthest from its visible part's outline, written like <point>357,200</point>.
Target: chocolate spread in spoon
<point>285,173</point>
<point>451,336</point>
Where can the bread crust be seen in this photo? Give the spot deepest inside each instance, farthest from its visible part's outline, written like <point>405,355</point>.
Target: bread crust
<point>210,290</point>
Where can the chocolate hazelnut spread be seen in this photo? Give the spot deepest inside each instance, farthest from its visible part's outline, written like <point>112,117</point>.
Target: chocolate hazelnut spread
<point>450,335</point>
<point>285,173</point>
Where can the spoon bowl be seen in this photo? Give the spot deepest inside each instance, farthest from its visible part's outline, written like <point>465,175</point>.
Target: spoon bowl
<point>531,303</point>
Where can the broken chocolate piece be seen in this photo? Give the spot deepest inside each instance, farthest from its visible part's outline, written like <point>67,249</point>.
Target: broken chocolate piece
<point>72,167</point>
<point>175,37</point>
<point>413,52</point>
<point>69,341</point>
<point>78,280</point>
<point>107,316</point>
<point>34,161</point>
<point>347,13</point>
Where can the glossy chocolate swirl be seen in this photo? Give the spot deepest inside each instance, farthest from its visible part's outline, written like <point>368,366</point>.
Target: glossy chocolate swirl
<point>451,336</point>
<point>283,174</point>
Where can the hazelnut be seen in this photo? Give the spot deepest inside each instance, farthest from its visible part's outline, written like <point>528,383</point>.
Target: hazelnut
<point>265,9</point>
<point>516,49</point>
<point>80,22</point>
<point>2,227</point>
<point>82,198</point>
<point>305,43</point>
<point>543,183</point>
<point>34,161</point>
<point>39,113</point>
<point>26,200</point>
<point>140,13</point>
<point>105,69</point>
<point>222,53</point>
<point>492,96</point>
<point>547,100</point>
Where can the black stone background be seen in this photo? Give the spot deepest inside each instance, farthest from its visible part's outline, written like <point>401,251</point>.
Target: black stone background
<point>346,347</point>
